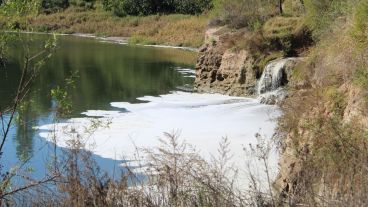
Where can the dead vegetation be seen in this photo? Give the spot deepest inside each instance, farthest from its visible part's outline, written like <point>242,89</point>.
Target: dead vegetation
<point>325,126</point>
<point>172,174</point>
<point>175,29</point>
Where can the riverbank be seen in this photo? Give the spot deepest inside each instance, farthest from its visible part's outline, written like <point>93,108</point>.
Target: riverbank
<point>173,30</point>
<point>322,132</point>
<point>115,40</point>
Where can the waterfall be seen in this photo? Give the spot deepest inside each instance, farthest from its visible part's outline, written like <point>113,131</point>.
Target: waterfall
<point>268,88</point>
<point>272,77</point>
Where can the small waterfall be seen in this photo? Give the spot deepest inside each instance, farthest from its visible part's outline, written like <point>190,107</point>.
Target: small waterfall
<point>269,89</point>
<point>272,77</point>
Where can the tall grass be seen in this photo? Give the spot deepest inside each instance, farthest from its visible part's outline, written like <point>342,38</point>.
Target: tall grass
<point>325,117</point>
<point>171,175</point>
<point>175,29</point>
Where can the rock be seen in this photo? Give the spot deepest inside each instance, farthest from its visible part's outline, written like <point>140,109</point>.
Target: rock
<point>223,70</point>
<point>212,34</point>
<point>274,97</point>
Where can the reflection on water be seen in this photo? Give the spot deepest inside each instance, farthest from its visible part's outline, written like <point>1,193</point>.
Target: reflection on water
<point>107,73</point>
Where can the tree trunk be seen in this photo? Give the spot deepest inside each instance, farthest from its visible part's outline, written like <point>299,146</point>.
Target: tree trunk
<point>280,7</point>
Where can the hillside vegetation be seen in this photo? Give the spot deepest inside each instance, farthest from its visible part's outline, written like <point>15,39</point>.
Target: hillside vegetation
<point>323,131</point>
<point>177,23</point>
<point>324,126</point>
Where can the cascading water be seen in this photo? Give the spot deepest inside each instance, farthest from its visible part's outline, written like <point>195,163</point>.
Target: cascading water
<point>273,77</point>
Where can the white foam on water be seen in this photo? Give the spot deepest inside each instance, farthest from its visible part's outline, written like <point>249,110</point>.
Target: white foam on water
<point>187,72</point>
<point>202,119</point>
<point>172,47</point>
<point>101,113</point>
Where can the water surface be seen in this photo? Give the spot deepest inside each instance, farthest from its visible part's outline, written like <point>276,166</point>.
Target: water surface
<point>138,91</point>
<point>106,72</point>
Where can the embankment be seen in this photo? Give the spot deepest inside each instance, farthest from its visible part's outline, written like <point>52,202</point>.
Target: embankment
<point>322,132</point>
<point>173,30</point>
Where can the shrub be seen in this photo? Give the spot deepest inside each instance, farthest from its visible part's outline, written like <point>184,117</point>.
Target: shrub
<point>117,8</point>
<point>286,34</point>
<point>54,5</point>
<point>192,6</point>
<point>321,14</point>
<point>242,13</point>
<point>107,5</point>
<point>293,7</point>
<point>148,7</point>
<point>360,77</point>
<point>87,4</point>
<point>360,28</point>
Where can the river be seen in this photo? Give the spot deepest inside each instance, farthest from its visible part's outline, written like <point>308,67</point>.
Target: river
<point>138,91</point>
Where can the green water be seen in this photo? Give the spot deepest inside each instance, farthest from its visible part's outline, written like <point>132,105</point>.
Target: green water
<point>107,73</point>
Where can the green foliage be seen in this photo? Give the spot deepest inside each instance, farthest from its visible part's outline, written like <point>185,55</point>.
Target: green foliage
<point>19,8</point>
<point>244,13</point>
<point>87,4</point>
<point>337,99</point>
<point>54,5</point>
<point>361,77</point>
<point>360,28</point>
<point>286,34</point>
<point>13,13</point>
<point>148,7</point>
<point>62,96</point>
<point>282,26</point>
<point>293,8</point>
<point>107,5</point>
<point>132,7</point>
<point>136,39</point>
<point>50,6</point>
<point>192,6</point>
<point>235,13</point>
<point>321,14</point>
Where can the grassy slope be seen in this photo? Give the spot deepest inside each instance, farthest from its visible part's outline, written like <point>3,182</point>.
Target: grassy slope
<point>326,113</point>
<point>176,29</point>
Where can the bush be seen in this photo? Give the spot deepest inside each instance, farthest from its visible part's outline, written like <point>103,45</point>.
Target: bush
<point>286,34</point>
<point>360,28</point>
<point>87,4</point>
<point>148,7</point>
<point>107,5</point>
<point>117,8</point>
<point>192,6</point>
<point>54,5</point>
<point>360,77</point>
<point>321,14</point>
<point>243,13</point>
<point>293,7</point>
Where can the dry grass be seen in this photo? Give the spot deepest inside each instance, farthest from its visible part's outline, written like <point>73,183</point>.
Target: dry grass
<point>324,120</point>
<point>171,175</point>
<point>282,26</point>
<point>177,30</point>
<point>186,31</point>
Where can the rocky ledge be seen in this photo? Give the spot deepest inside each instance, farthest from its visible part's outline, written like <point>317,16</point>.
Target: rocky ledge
<point>222,69</point>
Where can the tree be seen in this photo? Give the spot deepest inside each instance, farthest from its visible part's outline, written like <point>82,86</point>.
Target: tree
<point>148,7</point>
<point>192,6</point>
<point>30,68</point>
<point>54,5</point>
<point>88,4</point>
<point>280,6</point>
